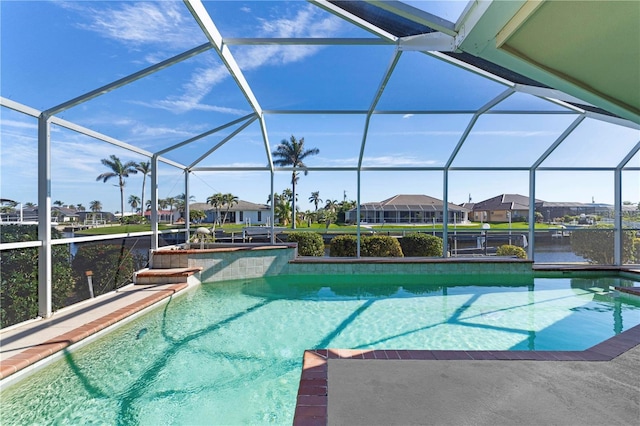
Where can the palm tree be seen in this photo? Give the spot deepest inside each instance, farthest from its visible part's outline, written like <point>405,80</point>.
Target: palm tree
<point>29,204</point>
<point>145,169</point>
<point>216,202</point>
<point>292,153</point>
<point>134,201</point>
<point>7,205</point>
<point>331,205</point>
<point>170,201</point>
<point>315,199</point>
<point>282,209</point>
<point>119,170</point>
<point>330,208</point>
<point>95,206</point>
<point>228,200</point>
<point>80,207</point>
<point>58,203</point>
<point>181,202</point>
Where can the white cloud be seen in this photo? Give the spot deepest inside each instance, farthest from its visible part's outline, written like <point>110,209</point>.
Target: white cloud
<point>377,161</point>
<point>19,124</point>
<point>167,24</point>
<point>307,22</point>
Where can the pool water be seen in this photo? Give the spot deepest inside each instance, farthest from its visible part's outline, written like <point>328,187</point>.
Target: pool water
<point>230,353</point>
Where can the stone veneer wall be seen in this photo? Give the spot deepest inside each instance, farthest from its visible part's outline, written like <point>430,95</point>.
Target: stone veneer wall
<point>228,263</point>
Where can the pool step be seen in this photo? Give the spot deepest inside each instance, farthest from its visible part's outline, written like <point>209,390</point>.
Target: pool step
<point>168,276</point>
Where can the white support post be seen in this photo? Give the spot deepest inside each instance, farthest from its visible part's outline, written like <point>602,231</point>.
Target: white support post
<point>154,202</point>
<point>358,215</point>
<point>618,241</point>
<point>187,210</point>
<point>532,214</point>
<point>273,211</point>
<point>445,213</point>
<point>45,266</point>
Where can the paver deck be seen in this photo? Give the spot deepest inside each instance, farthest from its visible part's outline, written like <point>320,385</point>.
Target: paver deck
<point>23,346</point>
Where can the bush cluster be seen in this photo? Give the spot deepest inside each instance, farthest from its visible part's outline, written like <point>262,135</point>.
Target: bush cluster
<point>112,266</point>
<point>309,243</point>
<point>421,245</point>
<point>596,244</point>
<point>511,250</point>
<point>133,220</point>
<point>370,246</point>
<point>19,277</point>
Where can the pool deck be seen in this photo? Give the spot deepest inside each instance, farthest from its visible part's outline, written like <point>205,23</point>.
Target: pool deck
<point>600,385</point>
<point>27,345</point>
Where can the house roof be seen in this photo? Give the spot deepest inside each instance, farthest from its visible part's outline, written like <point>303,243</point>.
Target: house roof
<point>66,211</point>
<point>407,202</point>
<point>505,202</point>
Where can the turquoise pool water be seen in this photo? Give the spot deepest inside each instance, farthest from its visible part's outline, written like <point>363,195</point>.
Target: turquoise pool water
<point>230,353</point>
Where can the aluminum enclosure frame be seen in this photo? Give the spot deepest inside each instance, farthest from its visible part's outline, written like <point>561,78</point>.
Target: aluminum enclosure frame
<point>445,38</point>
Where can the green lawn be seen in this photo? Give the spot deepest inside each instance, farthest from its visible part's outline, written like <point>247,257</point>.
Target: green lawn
<point>319,227</point>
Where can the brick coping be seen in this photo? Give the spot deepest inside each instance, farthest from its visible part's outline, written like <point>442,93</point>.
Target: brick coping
<point>313,391</point>
<point>34,354</point>
<point>169,272</point>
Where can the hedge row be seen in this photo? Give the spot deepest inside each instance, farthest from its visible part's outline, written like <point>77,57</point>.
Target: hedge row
<point>411,245</point>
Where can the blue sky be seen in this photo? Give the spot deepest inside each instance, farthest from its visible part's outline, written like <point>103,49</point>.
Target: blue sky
<point>53,51</point>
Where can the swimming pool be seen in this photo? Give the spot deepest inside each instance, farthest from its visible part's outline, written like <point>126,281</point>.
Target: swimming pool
<point>230,352</point>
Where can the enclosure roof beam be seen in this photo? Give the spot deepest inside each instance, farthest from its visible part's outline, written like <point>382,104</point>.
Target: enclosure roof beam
<point>8,103</point>
<point>230,169</point>
<point>265,138</point>
<point>558,141</point>
<point>129,79</point>
<point>376,99</point>
<point>108,139</point>
<point>365,25</point>
<point>210,30</point>
<point>205,134</point>
<point>468,67</point>
<point>223,141</point>
<point>495,101</point>
<point>629,156</point>
<point>309,41</point>
<point>416,15</point>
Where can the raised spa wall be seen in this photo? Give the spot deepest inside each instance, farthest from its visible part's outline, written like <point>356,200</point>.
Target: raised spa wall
<point>252,261</point>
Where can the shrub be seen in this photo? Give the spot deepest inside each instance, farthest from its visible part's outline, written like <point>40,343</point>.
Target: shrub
<point>416,245</point>
<point>309,243</point>
<point>510,250</point>
<point>343,246</point>
<point>380,246</point>
<point>112,265</point>
<point>133,220</point>
<point>596,244</point>
<point>370,246</point>
<point>19,277</point>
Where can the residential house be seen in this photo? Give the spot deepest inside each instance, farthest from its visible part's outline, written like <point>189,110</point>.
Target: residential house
<point>164,216</point>
<point>243,212</point>
<point>408,209</point>
<point>498,208</point>
<point>552,210</point>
